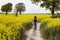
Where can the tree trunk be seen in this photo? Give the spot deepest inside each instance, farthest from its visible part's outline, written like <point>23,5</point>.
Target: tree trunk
<point>20,12</point>
<point>6,13</point>
<point>53,10</point>
<point>16,13</point>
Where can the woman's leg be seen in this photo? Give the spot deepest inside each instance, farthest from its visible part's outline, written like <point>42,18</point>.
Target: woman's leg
<point>35,24</point>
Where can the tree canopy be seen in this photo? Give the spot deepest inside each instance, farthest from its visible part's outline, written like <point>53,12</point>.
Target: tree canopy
<point>52,5</point>
<point>20,7</point>
<point>6,8</point>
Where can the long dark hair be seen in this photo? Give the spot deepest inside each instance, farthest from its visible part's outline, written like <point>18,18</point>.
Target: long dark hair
<point>35,19</point>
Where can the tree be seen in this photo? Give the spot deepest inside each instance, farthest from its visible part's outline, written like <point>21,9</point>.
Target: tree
<point>6,8</point>
<point>52,5</point>
<point>20,7</point>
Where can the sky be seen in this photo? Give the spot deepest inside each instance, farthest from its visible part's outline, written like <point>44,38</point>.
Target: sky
<point>30,8</point>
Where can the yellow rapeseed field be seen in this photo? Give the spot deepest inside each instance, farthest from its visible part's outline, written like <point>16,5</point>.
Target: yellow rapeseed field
<point>52,22</point>
<point>10,24</point>
<point>50,28</point>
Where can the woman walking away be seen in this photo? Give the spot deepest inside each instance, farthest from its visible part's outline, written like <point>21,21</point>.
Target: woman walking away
<point>35,22</point>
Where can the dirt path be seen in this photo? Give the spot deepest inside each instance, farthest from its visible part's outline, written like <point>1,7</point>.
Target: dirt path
<point>34,34</point>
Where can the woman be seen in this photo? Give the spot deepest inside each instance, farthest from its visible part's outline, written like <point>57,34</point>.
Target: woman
<point>35,22</point>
